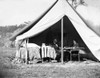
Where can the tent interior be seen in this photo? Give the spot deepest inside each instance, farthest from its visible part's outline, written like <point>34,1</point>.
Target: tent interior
<point>69,34</point>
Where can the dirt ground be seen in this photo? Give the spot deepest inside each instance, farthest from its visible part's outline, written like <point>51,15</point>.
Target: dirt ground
<point>84,69</point>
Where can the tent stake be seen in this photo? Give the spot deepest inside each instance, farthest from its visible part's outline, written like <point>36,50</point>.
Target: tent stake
<point>62,54</point>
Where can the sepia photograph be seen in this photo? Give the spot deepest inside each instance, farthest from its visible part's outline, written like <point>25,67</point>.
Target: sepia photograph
<point>49,38</point>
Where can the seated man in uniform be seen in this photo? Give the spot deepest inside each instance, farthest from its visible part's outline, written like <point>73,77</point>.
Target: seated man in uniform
<point>75,50</point>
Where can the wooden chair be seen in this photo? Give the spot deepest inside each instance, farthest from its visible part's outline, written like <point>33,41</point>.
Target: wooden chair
<point>74,52</point>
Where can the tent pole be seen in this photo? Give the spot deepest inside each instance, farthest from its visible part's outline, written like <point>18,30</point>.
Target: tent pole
<point>26,52</point>
<point>62,54</point>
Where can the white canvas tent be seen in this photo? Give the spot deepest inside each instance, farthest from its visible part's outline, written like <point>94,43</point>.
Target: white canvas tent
<point>60,9</point>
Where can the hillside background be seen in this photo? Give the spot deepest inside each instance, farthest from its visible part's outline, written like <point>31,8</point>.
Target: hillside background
<point>7,31</point>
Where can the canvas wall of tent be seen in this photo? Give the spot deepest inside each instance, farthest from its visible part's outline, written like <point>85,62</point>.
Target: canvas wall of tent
<point>48,27</point>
